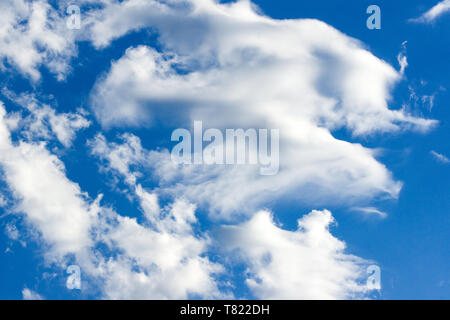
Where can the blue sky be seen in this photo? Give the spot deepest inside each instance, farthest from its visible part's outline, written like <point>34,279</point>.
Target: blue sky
<point>162,231</point>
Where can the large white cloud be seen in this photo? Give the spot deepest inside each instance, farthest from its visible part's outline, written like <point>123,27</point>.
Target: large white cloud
<point>160,259</point>
<point>37,179</point>
<point>245,63</point>
<point>309,263</point>
<point>335,168</point>
<point>243,69</point>
<point>168,259</point>
<point>32,34</point>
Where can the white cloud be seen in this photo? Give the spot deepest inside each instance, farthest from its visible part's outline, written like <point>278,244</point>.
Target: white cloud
<point>370,211</point>
<point>233,191</point>
<point>307,55</point>
<point>164,260</point>
<point>299,75</point>
<point>168,259</point>
<point>403,62</point>
<point>28,294</point>
<point>419,99</point>
<point>435,12</point>
<point>248,70</point>
<point>162,257</point>
<point>117,18</point>
<point>3,201</point>
<point>44,123</point>
<point>50,200</point>
<point>11,231</point>
<point>428,100</point>
<point>440,157</point>
<point>309,263</point>
<point>33,33</point>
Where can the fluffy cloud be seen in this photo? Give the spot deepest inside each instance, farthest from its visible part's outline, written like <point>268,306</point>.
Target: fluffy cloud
<point>3,201</point>
<point>117,18</point>
<point>292,65</point>
<point>43,122</point>
<point>435,12</point>
<point>161,257</point>
<point>245,70</point>
<point>164,260</point>
<point>299,75</point>
<point>242,69</point>
<point>309,263</point>
<point>120,158</point>
<point>50,200</point>
<point>167,258</point>
<point>33,33</point>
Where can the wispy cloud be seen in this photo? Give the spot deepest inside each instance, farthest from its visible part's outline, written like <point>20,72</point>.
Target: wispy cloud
<point>173,266</point>
<point>434,13</point>
<point>440,157</point>
<point>370,211</point>
<point>28,294</point>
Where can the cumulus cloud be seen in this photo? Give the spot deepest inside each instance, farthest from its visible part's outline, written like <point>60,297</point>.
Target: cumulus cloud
<point>418,98</point>
<point>245,70</point>
<point>37,179</point>
<point>164,260</point>
<point>299,75</point>
<point>43,122</point>
<point>242,69</point>
<point>435,12</point>
<point>293,64</point>
<point>11,231</point>
<point>162,257</point>
<point>32,34</point>
<point>309,263</point>
<point>402,59</point>
<point>168,259</point>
